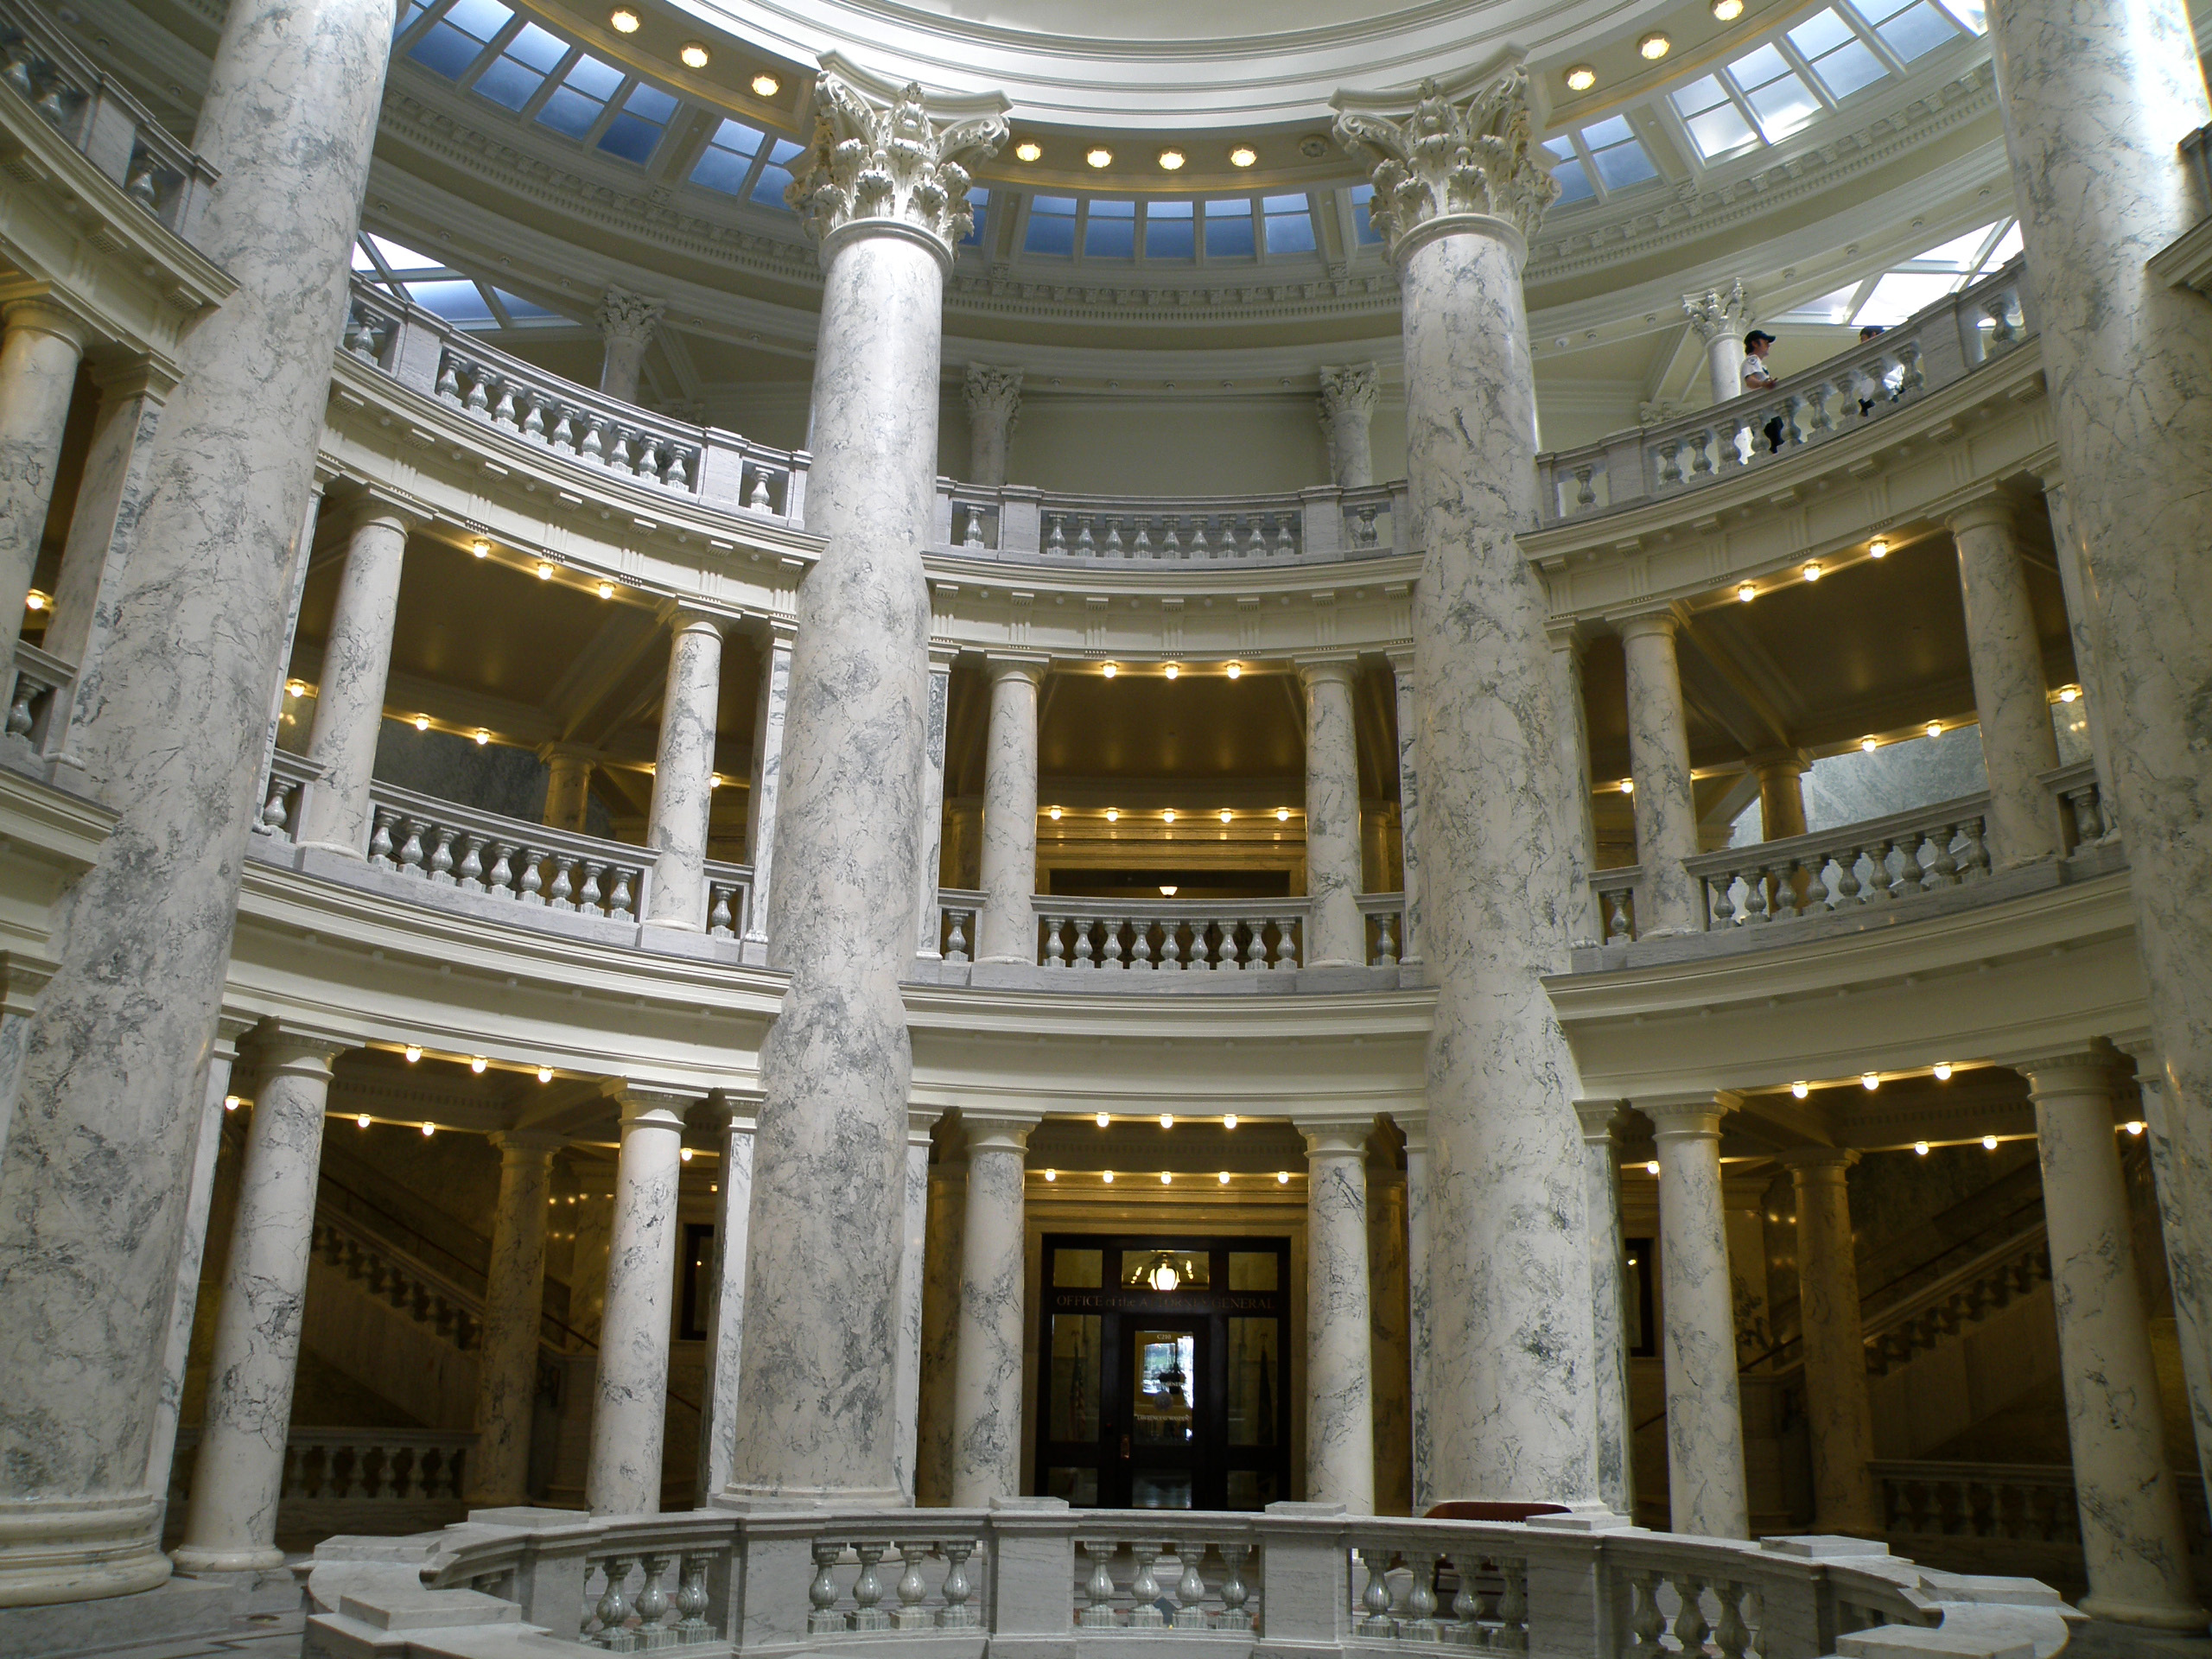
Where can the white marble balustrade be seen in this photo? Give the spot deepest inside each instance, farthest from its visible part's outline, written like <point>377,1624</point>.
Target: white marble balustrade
<point>39,689</point>
<point>1165,936</point>
<point>2081,807</point>
<point>1167,1578</point>
<point>1616,892</point>
<point>928,1575</point>
<point>1384,917</point>
<point>1322,524</point>
<point>1879,861</point>
<point>373,1465</point>
<point>454,1314</point>
<point>101,121</point>
<point>648,1600</point>
<point>1936,348</point>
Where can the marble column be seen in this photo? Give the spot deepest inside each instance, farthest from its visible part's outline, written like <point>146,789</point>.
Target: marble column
<point>1347,410</point>
<point>683,775</point>
<point>1404,685</point>
<point>986,1375</point>
<point>514,1313</point>
<point>1697,1322</point>
<point>814,1416</point>
<point>2085,623</point>
<point>568,786</point>
<point>1336,932</point>
<point>926,936</point>
<point>295,583</point>
<point>1659,761</point>
<point>940,1355</point>
<point>2096,101</point>
<point>627,322</point>
<point>2133,1539</point>
<point>761,803</point>
<point>2009,698</point>
<point>38,356</point>
<point>1586,926</point>
<point>2185,1222</point>
<point>913,1286</point>
<point>1839,1412</point>
<point>1340,1365</point>
<point>630,1404</point>
<point>994,410</point>
<point>1006,931</point>
<point>231,1525</point>
<point>1721,317</point>
<point>725,1292</point>
<point>1511,1402</point>
<point>184,1298</point>
<point>1601,1167</point>
<point>356,663</point>
<point>1781,792</point>
<point>1414,1127</point>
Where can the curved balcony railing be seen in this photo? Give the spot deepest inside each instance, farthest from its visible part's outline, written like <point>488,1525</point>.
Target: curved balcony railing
<point>1297,1578</point>
<point>1848,393</point>
<point>1323,525</point>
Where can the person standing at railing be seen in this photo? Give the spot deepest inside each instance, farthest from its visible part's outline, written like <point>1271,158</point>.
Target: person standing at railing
<point>1758,378</point>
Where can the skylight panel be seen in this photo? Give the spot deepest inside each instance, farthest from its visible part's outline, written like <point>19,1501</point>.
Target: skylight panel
<point>573,107</point>
<point>1362,197</point>
<point>403,261</point>
<point>1618,154</point>
<point>1972,14</point>
<point>521,310</point>
<point>1568,173</point>
<point>1716,126</point>
<point>638,126</point>
<point>1830,309</point>
<point>979,202</point>
<point>2007,250</point>
<point>1111,231</point>
<point>1960,253</point>
<point>728,158</point>
<point>1838,59</point>
<point>1777,94</point>
<point>1912,28</point>
<point>1170,229</point>
<point>458,37</point>
<point>1052,226</point>
<point>776,173</point>
<point>513,78</point>
<point>1229,230</point>
<point>458,302</point>
<point>1289,221</point>
<point>361,261</point>
<point>1900,294</point>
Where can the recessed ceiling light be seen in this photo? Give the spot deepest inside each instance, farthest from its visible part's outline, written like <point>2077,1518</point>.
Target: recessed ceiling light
<point>1171,670</point>
<point>1811,570</point>
<point>1654,47</point>
<point>695,55</point>
<point>1244,155</point>
<point>1748,592</point>
<point>1727,11</point>
<point>1282,815</point>
<point>1170,161</point>
<point>766,86</point>
<point>1099,155</point>
<point>1028,150</point>
<point>1868,745</point>
<point>1581,78</point>
<point>1109,669</point>
<point>1113,815</point>
<point>623,20</point>
<point>1226,815</point>
<point>1878,548</point>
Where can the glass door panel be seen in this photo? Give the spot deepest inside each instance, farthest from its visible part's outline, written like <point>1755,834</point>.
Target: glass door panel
<point>1162,1448</point>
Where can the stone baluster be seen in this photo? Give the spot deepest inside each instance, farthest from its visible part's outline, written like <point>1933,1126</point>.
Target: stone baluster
<point>1144,1590</point>
<point>1339,1370</point>
<point>1705,1426</point>
<point>2005,653</point>
<point>683,771</point>
<point>1007,932</point>
<point>1600,1120</point>
<point>356,663</point>
<point>514,1295</point>
<point>623,1469</point>
<point>1098,1588</point>
<point>836,1066</point>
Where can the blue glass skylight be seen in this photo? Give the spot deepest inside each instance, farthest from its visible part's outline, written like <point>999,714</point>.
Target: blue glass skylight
<point>1290,223</point>
<point>1110,230</point>
<point>458,38</point>
<point>1229,230</point>
<point>513,78</point>
<point>1170,229</point>
<point>1051,225</point>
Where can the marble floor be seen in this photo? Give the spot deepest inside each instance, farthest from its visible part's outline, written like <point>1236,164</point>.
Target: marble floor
<point>261,1636</point>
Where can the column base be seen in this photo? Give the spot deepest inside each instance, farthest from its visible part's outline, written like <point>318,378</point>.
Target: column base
<point>79,1549</point>
<point>2153,1616</point>
<point>203,1563</point>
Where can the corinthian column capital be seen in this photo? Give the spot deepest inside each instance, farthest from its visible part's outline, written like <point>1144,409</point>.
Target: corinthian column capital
<point>994,393</point>
<point>891,156</point>
<point>1456,154</point>
<point>626,316</point>
<point>1718,312</point>
<point>1348,389</point>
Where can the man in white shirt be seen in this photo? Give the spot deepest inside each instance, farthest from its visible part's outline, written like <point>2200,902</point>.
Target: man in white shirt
<point>1758,378</point>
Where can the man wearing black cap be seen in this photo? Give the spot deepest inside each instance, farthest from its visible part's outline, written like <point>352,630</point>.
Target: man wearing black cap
<point>1756,378</point>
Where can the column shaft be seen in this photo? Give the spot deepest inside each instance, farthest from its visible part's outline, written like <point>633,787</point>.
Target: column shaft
<point>38,376</point>
<point>1337,932</point>
<point>994,409</point>
<point>986,1380</point>
<point>2178,1171</point>
<point>1403,685</point>
<point>1418,1325</point>
<point>2016,741</point>
<point>913,1271</point>
<point>514,1302</point>
<point>1839,1413</point>
<point>627,322</point>
<point>926,936</point>
<point>2092,651</point>
<point>110,497</point>
<point>568,789</point>
<point>1659,761</point>
<point>356,664</point>
<point>761,803</point>
<point>828,1203</point>
<point>238,1474</point>
<point>726,1305</point>
<point>683,775</point>
<point>1609,1304</point>
<point>1339,1364</point>
<point>1347,414</point>
<point>1781,796</point>
<point>941,1264</point>
<point>1005,932</point>
<point>1704,1420</point>
<point>629,1410</point>
<point>2132,1539</point>
<point>1586,926</point>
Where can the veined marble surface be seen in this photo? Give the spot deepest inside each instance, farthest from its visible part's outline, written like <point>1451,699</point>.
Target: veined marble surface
<point>726,1299</point>
<point>1704,1420</point>
<point>987,1386</point>
<point>1584,923</point>
<point>913,1267</point>
<point>1659,761</point>
<point>94,1181</point>
<point>948,1205</point>
<point>184,1306</point>
<point>356,664</point>
<point>1609,1305</point>
<point>2009,696</point>
<point>514,1301</point>
<point>1006,931</point>
<point>1404,688</point>
<point>993,410</point>
<point>1347,414</point>
<point>1419,1301</point>
<point>761,806</point>
<point>1839,1415</point>
<point>1337,932</point>
<point>684,771</point>
<point>630,1403</point>
<point>1339,1366</point>
<point>38,374</point>
<point>2097,100</point>
<point>2180,1205</point>
<point>928,867</point>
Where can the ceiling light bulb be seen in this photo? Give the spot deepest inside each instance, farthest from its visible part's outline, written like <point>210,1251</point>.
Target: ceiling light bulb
<point>2069,693</point>
<point>684,1155</point>
<point>1878,548</point>
<point>1168,890</point>
<point>1654,47</point>
<point>1282,815</point>
<point>1747,592</point>
<point>1581,78</point>
<point>545,571</point>
<point>1229,1122</point>
<point>429,1128</point>
<point>1628,786</point>
<point>363,1119</point>
<point>1167,1120</point>
<point>623,21</point>
<point>2134,1126</point>
<point>695,55</point>
<point>1227,816</point>
<point>1920,1146</point>
<point>295,688</point>
<point>414,1053</point>
<point>1813,570</point>
<point>1989,1143</point>
<point>1224,1178</point>
<point>1099,157</point>
<point>421,723</point>
<point>1282,1177</point>
<point>1167,1179</point>
<point>1170,161</point>
<point>1870,1081</point>
<point>607,590</point>
<point>1801,1090</point>
<point>1028,150</point>
<point>230,1103</point>
<point>1236,670</point>
<point>1173,671</point>
<point>1942,1071</point>
<point>1244,155</point>
<point>1104,1119</point>
<point>480,548</point>
<point>1113,815</point>
<point>1651,1168</point>
<point>1051,1174</point>
<point>1109,669</point>
<point>1934,728</point>
<point>1727,11</point>
<point>482,737</point>
<point>1053,814</point>
<point>1868,745</point>
<point>1168,817</point>
<point>478,1064</point>
<point>766,86</point>
<point>1107,1176</point>
<point>545,1074</point>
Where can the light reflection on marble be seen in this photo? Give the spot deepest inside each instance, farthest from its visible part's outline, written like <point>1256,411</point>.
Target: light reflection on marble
<point>907,1375</point>
<point>761,806</point>
<point>2181,1214</point>
<point>684,770</point>
<point>1566,645</point>
<point>1405,689</point>
<point>2011,705</point>
<point>927,867</point>
<point>1339,1368</point>
<point>1336,932</point>
<point>987,1385</point>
